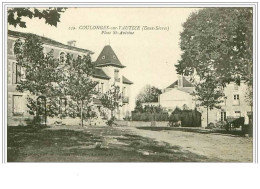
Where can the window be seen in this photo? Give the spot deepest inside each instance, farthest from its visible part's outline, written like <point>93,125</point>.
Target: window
<point>236,99</point>
<point>103,57</point>
<point>116,75</point>
<point>18,104</point>
<point>62,57</point>
<point>124,91</point>
<point>223,116</point>
<point>235,87</point>
<point>237,114</point>
<point>114,56</point>
<point>16,76</point>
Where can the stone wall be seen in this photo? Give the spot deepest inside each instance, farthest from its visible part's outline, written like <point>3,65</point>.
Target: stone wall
<point>142,123</point>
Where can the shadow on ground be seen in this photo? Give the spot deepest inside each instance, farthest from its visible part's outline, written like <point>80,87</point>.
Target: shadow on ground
<point>91,144</point>
<point>234,133</point>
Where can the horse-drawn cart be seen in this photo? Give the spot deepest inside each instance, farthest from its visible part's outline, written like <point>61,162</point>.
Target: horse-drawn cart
<point>234,123</point>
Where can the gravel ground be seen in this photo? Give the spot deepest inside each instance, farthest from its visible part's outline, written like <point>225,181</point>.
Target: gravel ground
<point>90,144</point>
<point>124,144</point>
<point>219,147</point>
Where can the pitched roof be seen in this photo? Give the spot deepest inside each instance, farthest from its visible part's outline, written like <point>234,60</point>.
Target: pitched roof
<point>99,73</point>
<point>186,83</point>
<point>173,84</point>
<point>46,40</point>
<point>127,81</point>
<point>107,57</point>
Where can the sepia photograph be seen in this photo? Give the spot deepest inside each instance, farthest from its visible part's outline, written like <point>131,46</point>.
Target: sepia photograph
<point>130,84</point>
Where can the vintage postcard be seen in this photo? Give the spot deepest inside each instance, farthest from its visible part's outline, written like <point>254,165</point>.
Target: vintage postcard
<point>130,84</point>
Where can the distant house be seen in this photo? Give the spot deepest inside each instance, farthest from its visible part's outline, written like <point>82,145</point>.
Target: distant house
<point>234,105</point>
<point>179,94</point>
<point>107,72</point>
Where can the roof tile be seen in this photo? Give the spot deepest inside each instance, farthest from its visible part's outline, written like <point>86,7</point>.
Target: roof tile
<point>99,73</point>
<point>107,57</point>
<point>186,83</point>
<point>127,81</point>
<point>49,41</point>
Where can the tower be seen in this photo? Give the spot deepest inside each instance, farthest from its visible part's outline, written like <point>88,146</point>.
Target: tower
<point>111,65</point>
<point>113,68</point>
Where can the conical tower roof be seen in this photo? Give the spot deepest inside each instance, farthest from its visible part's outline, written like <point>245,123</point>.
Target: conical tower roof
<point>108,57</point>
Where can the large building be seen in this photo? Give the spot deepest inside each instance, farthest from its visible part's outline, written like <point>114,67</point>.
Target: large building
<point>234,105</point>
<point>180,94</point>
<point>107,72</point>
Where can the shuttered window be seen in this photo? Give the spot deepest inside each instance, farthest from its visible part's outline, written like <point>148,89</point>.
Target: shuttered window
<point>18,105</point>
<point>237,114</point>
<point>223,116</point>
<point>236,100</point>
<point>16,75</point>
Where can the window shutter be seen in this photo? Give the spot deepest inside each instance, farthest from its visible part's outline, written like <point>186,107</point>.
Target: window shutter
<point>18,73</point>
<point>13,72</point>
<point>18,105</point>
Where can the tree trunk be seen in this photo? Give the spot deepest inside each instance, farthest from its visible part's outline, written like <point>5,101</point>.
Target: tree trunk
<point>81,113</point>
<point>207,116</point>
<point>45,113</point>
<point>112,118</point>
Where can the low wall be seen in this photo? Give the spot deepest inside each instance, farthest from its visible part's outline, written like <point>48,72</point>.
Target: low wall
<point>19,121</point>
<point>67,121</point>
<point>142,123</point>
<point>75,121</point>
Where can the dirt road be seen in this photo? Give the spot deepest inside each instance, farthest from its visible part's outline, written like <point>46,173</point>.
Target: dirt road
<point>222,148</point>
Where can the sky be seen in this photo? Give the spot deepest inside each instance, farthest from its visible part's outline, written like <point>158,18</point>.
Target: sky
<point>149,55</point>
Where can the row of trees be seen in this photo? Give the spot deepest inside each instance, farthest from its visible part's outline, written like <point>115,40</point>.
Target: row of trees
<point>217,46</point>
<point>65,78</point>
<point>148,94</point>
<point>53,79</point>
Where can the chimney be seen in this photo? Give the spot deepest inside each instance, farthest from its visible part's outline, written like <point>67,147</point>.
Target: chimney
<point>72,43</point>
<point>180,81</point>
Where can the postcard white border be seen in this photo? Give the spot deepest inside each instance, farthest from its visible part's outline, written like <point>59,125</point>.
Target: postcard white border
<point>129,175</point>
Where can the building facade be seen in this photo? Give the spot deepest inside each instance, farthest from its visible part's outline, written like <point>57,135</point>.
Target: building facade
<point>179,94</point>
<point>110,71</point>
<point>234,105</point>
<point>105,74</point>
